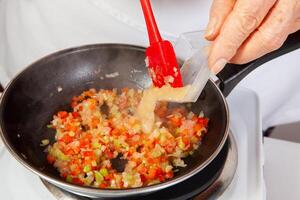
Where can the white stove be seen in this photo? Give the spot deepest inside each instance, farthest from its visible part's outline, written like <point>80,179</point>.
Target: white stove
<point>18,183</point>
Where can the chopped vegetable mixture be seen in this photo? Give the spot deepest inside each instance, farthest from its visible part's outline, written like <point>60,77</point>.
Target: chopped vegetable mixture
<point>103,130</point>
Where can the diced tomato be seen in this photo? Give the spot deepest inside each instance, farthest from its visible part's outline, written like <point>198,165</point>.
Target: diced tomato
<point>62,114</point>
<point>169,175</point>
<point>75,114</point>
<point>50,159</point>
<point>161,178</point>
<point>195,118</point>
<point>155,172</point>
<point>152,173</point>
<point>92,104</point>
<point>84,142</point>
<point>66,139</point>
<point>127,135</point>
<point>77,181</point>
<point>125,90</point>
<point>170,147</point>
<point>74,104</point>
<point>110,155</point>
<point>88,153</point>
<point>142,170</point>
<point>115,132</point>
<point>159,172</point>
<point>95,122</point>
<point>69,152</point>
<point>103,185</point>
<point>109,177</point>
<point>186,141</point>
<point>76,170</point>
<point>64,174</point>
<point>203,121</point>
<point>185,132</point>
<point>143,178</point>
<point>176,121</point>
<point>198,127</point>
<point>67,127</point>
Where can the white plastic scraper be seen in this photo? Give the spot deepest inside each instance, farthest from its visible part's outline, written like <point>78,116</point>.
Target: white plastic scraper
<point>192,48</point>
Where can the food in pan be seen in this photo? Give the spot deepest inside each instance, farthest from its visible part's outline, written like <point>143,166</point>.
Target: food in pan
<point>102,142</point>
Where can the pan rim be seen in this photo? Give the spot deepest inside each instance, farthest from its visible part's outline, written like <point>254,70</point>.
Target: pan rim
<point>97,192</point>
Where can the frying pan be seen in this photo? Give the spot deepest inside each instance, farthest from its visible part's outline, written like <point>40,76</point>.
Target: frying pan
<point>32,97</point>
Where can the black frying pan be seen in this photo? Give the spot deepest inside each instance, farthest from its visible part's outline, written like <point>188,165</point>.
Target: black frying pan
<point>30,100</point>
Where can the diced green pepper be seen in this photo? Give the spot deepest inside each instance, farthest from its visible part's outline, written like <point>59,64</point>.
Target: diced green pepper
<point>117,143</point>
<point>87,168</point>
<point>96,145</point>
<point>99,177</point>
<point>49,126</point>
<point>69,179</point>
<point>58,154</point>
<point>156,153</point>
<point>103,172</point>
<point>181,144</point>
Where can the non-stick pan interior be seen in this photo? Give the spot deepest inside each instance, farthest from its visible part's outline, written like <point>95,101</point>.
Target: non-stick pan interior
<point>48,85</point>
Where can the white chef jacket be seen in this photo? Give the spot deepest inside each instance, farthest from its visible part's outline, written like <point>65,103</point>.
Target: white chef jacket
<point>31,29</point>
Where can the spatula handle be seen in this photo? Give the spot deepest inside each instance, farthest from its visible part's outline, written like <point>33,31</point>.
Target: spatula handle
<point>153,32</point>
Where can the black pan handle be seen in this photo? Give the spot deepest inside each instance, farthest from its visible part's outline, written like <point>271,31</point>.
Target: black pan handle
<point>232,74</point>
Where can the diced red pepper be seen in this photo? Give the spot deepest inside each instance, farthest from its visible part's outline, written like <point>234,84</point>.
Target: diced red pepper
<point>115,132</point>
<point>75,114</point>
<point>109,154</point>
<point>95,122</point>
<point>176,121</point>
<point>66,139</point>
<point>103,185</point>
<point>198,127</point>
<point>202,120</point>
<point>50,159</point>
<point>186,141</point>
<point>88,153</point>
<point>77,181</point>
<point>169,175</point>
<point>62,114</point>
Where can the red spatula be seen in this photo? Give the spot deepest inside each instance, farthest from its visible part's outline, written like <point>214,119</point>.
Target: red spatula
<point>160,54</point>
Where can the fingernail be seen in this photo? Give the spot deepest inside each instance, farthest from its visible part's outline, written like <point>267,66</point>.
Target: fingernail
<point>219,65</point>
<point>210,30</point>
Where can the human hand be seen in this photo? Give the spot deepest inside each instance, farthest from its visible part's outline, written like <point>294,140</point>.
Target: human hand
<point>243,30</point>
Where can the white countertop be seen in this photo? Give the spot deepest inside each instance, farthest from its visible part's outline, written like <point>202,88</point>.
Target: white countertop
<point>282,169</point>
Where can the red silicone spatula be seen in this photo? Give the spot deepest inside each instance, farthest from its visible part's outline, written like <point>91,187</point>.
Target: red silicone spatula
<point>160,54</point>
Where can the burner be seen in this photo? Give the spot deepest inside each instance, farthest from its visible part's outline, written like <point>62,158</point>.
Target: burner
<point>210,183</point>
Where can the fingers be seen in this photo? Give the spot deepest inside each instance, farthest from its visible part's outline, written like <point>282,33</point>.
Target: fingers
<point>219,11</point>
<point>296,26</point>
<point>245,17</point>
<point>272,33</point>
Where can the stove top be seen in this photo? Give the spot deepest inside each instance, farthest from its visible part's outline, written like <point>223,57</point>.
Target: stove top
<point>210,183</point>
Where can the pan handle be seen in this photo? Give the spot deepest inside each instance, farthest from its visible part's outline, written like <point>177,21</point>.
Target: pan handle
<point>232,74</point>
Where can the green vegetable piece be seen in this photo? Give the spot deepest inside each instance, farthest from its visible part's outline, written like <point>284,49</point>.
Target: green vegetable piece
<point>103,172</point>
<point>87,168</point>
<point>96,145</point>
<point>99,177</point>
<point>69,179</point>
<point>58,154</point>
